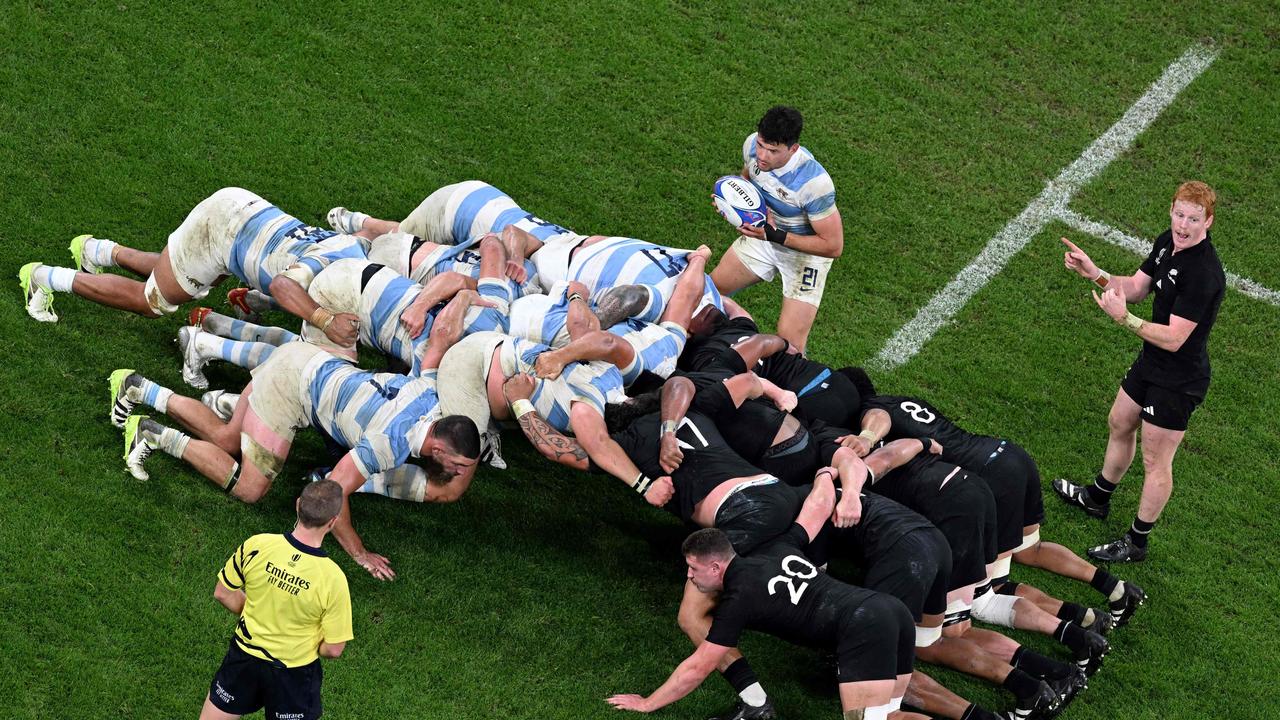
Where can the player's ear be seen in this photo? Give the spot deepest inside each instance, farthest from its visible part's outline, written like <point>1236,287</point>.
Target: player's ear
<point>1208,222</point>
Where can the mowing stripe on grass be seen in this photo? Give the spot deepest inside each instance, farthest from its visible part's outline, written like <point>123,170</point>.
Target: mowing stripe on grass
<point>908,340</point>
<point>1102,231</point>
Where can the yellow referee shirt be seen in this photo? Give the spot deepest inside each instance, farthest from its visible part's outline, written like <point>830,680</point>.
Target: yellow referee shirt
<point>296,597</point>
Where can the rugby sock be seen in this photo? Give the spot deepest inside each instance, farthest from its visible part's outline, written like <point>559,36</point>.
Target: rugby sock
<point>1106,583</point>
<point>406,482</point>
<point>157,396</point>
<point>229,327</point>
<point>100,252</point>
<point>1020,683</point>
<point>259,302</point>
<point>1071,611</point>
<point>351,221</point>
<point>245,354</point>
<point>167,439</point>
<point>1100,491</point>
<point>1139,531</point>
<point>743,679</point>
<point>54,278</point>
<point>1069,634</point>
<point>1039,665</point>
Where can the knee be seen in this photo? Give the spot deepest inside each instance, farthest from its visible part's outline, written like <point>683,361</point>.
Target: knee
<point>1155,461</point>
<point>251,491</point>
<point>1121,425</point>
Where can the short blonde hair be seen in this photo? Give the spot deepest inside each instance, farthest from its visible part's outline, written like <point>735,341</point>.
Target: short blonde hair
<point>1197,193</point>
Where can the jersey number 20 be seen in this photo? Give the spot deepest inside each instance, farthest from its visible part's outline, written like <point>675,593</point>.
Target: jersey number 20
<point>795,568</point>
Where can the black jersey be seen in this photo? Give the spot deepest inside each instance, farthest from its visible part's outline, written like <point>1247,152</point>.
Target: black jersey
<point>748,429</point>
<point>914,418</point>
<point>1189,284</point>
<point>708,459</point>
<point>779,591</point>
<point>714,350</point>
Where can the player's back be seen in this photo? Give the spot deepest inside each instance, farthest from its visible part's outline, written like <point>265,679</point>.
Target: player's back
<point>475,207</point>
<point>269,242</point>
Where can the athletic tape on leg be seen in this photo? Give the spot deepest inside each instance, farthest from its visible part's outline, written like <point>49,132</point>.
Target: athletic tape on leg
<point>995,609</point>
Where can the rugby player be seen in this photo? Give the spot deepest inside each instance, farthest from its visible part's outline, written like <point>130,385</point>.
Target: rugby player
<point>384,419</point>
<point>778,591</point>
<point>803,235</point>
<point>232,232</point>
<point>1171,375</point>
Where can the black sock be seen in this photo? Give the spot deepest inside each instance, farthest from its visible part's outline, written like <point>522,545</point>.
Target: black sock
<point>1020,684</point>
<point>1138,532</point>
<point>1072,612</point>
<point>740,675</point>
<point>1038,665</point>
<point>1100,491</point>
<point>1104,582</point>
<point>1069,634</point>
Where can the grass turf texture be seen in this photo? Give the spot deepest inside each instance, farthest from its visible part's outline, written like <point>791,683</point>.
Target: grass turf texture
<point>544,591</point>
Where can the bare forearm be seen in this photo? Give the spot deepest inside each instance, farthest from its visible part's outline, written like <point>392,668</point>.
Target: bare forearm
<point>686,677</point>
<point>820,245</point>
<point>893,455</point>
<point>758,347</point>
<point>292,297</point>
<point>1162,336</point>
<point>677,396</point>
<point>553,444</point>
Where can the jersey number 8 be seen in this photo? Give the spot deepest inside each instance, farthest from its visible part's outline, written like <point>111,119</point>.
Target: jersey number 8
<point>796,568</point>
<point>918,413</point>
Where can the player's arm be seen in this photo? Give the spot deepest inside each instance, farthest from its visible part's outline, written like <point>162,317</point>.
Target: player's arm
<point>898,453</point>
<point>687,676</point>
<point>819,504</point>
<point>876,424</point>
<point>733,310</point>
<point>551,443</point>
<point>1134,288</point>
<point>350,476</point>
<point>677,395</point>
<point>519,243</point>
<point>447,329</point>
<point>232,600</point>
<point>853,475</point>
<point>594,345</point>
<point>440,288</point>
<point>827,239</point>
<point>1166,337</point>
<point>757,347</point>
<point>588,426</point>
<point>330,650</point>
<point>342,328</point>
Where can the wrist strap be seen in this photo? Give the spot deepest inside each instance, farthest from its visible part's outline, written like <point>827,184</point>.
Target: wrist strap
<point>774,235</point>
<point>321,318</point>
<point>521,407</point>
<point>1103,279</point>
<point>575,296</point>
<point>642,483</point>
<point>669,426</point>
<point>927,443</point>
<point>1133,322</point>
<point>869,435</point>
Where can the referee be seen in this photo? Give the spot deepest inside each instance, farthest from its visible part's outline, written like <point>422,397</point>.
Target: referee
<point>1171,375</point>
<point>293,609</point>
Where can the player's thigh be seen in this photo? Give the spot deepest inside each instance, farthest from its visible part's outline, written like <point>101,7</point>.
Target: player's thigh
<point>1126,410</point>
<point>432,220</point>
<point>740,267</point>
<point>209,712</point>
<point>1159,445</point>
<point>164,292</point>
<point>804,277</point>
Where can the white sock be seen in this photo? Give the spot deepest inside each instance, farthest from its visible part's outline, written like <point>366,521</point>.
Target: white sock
<point>753,695</point>
<point>354,221</point>
<point>157,396</point>
<point>54,278</point>
<point>172,441</point>
<point>100,252</point>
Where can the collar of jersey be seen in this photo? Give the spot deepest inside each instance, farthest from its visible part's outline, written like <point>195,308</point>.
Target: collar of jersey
<point>791,165</point>
<point>302,547</point>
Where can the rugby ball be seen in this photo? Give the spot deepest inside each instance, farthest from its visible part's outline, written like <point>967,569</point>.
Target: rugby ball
<point>738,201</point>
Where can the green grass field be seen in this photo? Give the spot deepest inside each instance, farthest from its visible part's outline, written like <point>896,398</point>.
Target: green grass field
<point>544,591</point>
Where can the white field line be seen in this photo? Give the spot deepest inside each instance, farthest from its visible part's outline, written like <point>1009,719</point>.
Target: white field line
<point>908,340</point>
<point>1250,288</point>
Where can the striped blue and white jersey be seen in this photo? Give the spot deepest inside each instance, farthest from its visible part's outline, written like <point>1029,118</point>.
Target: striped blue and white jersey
<point>798,193</point>
<point>382,417</point>
<point>474,208</point>
<point>464,259</point>
<point>542,318</point>
<point>657,347</point>
<point>612,261</point>
<point>595,383</point>
<point>272,241</point>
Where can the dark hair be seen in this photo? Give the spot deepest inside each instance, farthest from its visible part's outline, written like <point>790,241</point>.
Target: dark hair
<point>708,543</point>
<point>320,502</point>
<point>781,124</point>
<point>618,416</point>
<point>460,434</point>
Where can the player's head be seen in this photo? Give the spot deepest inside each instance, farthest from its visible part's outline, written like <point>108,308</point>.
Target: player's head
<point>708,552</point>
<point>319,504</point>
<point>706,320</point>
<point>619,416</point>
<point>1191,213</point>
<point>778,136</point>
<point>454,444</point>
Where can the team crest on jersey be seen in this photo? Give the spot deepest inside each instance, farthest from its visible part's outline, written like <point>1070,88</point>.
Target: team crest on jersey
<point>294,560</point>
<point>1160,255</point>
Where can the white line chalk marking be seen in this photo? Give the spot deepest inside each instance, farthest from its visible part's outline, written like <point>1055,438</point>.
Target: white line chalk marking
<point>908,340</point>
<point>1142,247</point>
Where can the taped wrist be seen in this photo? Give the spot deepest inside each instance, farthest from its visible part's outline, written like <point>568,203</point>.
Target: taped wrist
<point>321,318</point>
<point>1103,279</point>
<point>1133,322</point>
<point>642,483</point>
<point>669,426</point>
<point>521,407</point>
<point>774,234</point>
<point>871,436</point>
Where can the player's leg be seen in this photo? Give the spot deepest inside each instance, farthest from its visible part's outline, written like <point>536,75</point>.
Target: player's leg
<point>931,696</point>
<point>249,304</point>
<point>742,265</point>
<point>358,223</point>
<point>233,329</point>
<point>688,291</point>
<point>1122,422</point>
<point>211,712</point>
<point>1159,445</point>
<point>91,255</point>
